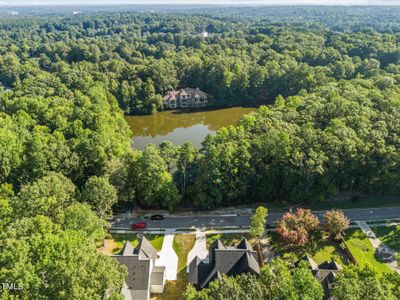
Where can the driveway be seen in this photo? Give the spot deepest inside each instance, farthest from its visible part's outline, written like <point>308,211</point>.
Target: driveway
<point>199,249</point>
<point>377,244</point>
<point>167,256</point>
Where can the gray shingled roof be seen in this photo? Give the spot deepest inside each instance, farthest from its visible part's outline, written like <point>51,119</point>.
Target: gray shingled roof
<point>127,249</point>
<point>326,279</point>
<point>313,265</point>
<point>193,270</point>
<point>325,273</point>
<point>247,263</point>
<point>145,249</point>
<point>138,272</point>
<point>137,260</point>
<point>330,265</point>
<point>229,261</point>
<point>244,244</point>
<point>217,244</point>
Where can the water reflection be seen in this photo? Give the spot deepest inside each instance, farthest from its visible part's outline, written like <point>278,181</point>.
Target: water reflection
<point>179,127</point>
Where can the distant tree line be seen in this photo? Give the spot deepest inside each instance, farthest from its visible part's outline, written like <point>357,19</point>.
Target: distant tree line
<point>65,153</point>
<point>138,57</point>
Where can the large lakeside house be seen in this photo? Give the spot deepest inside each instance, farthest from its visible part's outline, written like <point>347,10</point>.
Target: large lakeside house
<point>185,98</point>
<point>144,276</point>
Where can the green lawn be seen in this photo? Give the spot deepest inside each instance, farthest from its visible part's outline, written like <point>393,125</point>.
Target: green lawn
<point>183,243</point>
<point>155,239</point>
<point>362,202</point>
<point>389,235</point>
<point>329,251</point>
<point>319,248</point>
<point>228,239</point>
<point>362,250</point>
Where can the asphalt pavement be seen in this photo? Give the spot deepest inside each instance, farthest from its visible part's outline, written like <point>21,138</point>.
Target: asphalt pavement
<point>124,221</point>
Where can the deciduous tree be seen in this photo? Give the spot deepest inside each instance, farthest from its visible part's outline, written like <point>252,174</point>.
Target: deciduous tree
<point>101,195</point>
<point>335,222</point>
<point>296,228</point>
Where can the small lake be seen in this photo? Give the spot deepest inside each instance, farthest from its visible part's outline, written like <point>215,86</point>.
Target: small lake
<point>182,126</point>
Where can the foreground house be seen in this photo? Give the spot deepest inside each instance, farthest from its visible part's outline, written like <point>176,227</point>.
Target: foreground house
<point>325,273</point>
<point>230,261</point>
<point>185,98</point>
<point>144,277</point>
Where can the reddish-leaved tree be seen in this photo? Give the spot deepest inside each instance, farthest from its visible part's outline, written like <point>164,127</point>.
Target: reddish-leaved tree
<point>335,222</point>
<point>296,228</point>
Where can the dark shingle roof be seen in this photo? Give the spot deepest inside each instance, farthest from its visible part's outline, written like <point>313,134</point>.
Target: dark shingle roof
<point>217,244</point>
<point>193,269</point>
<point>244,244</point>
<point>229,261</point>
<point>247,262</point>
<point>127,249</point>
<point>145,249</point>
<point>325,273</point>
<point>312,264</point>
<point>138,272</point>
<point>137,260</point>
<point>326,279</point>
<point>330,265</point>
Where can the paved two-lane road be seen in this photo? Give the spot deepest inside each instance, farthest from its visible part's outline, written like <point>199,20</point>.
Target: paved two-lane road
<point>204,221</point>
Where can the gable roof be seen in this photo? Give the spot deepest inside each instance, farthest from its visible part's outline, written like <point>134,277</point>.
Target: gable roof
<point>170,97</point>
<point>127,249</point>
<point>183,92</point>
<point>244,244</point>
<point>325,273</point>
<point>217,244</point>
<point>194,269</point>
<point>145,249</point>
<point>222,260</point>
<point>330,265</point>
<point>173,95</point>
<point>312,264</point>
<point>326,279</point>
<point>138,262</point>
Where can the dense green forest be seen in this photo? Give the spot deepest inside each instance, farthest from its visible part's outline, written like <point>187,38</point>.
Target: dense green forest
<point>65,156</point>
<point>138,57</point>
<point>333,127</point>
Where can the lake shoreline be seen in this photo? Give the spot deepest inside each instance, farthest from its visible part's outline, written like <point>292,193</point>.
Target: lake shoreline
<point>200,109</point>
<point>179,126</point>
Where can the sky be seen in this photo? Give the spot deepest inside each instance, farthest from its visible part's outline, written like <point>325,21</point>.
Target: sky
<point>220,2</point>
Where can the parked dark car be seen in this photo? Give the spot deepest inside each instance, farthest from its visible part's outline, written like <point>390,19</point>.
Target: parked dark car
<point>157,217</point>
<point>141,225</point>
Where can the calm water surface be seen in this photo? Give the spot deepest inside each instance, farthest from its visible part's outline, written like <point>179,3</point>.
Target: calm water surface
<point>182,126</point>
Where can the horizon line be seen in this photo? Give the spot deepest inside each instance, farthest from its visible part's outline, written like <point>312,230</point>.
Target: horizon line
<point>198,4</point>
